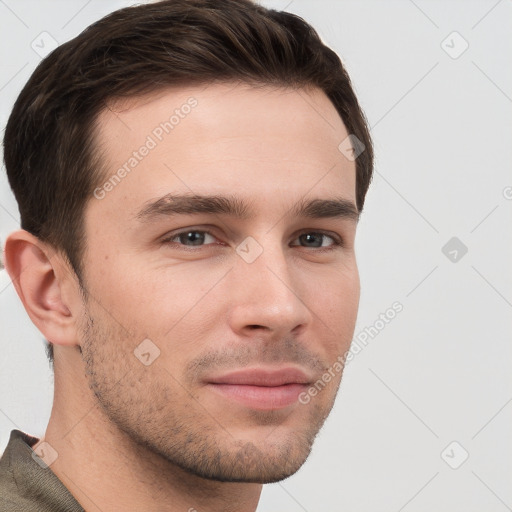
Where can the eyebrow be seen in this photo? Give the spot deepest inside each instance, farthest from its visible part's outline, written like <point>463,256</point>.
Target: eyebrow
<point>233,206</point>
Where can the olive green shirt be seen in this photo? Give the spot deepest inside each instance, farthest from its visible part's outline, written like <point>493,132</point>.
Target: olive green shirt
<point>28,486</point>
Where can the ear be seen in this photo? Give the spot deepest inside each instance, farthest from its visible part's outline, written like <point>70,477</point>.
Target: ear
<point>45,285</point>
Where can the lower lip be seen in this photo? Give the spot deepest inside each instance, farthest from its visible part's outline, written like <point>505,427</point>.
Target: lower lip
<point>261,397</point>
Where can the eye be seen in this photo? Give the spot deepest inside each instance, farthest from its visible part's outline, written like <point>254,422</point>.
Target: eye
<point>199,237</point>
<point>314,240</point>
<point>189,237</point>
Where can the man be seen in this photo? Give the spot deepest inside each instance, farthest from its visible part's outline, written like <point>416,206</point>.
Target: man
<point>189,175</point>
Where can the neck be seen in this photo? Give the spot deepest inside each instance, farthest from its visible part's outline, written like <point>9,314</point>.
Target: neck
<point>105,469</point>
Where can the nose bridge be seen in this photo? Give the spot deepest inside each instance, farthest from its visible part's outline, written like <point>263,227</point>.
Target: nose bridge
<point>266,290</point>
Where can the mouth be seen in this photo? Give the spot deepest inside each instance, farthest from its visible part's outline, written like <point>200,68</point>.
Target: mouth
<point>261,389</point>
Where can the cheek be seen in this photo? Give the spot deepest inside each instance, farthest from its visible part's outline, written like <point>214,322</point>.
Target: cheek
<point>160,301</point>
<point>337,305</point>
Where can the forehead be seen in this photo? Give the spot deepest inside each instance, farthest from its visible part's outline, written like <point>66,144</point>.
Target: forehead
<point>273,144</point>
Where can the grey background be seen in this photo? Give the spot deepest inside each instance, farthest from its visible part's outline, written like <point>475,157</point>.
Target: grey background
<point>439,372</point>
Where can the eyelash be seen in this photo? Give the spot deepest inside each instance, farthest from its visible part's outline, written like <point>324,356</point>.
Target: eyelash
<point>336,243</point>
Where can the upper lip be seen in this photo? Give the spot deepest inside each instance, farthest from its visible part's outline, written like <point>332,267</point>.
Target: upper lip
<point>270,377</point>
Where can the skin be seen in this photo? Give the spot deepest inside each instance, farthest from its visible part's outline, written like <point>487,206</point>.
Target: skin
<point>157,437</point>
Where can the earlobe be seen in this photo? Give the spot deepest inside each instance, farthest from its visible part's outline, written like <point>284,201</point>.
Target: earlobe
<point>36,271</point>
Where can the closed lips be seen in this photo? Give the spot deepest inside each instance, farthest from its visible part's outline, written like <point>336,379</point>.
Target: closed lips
<point>263,377</point>
<point>261,389</point>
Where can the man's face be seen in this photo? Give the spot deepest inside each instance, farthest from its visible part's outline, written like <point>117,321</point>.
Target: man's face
<point>240,314</point>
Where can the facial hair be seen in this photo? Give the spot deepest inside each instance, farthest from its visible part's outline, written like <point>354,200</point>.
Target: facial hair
<point>161,414</point>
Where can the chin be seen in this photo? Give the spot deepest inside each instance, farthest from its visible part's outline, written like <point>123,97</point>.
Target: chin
<point>248,462</point>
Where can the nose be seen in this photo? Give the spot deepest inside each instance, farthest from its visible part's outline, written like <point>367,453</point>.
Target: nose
<point>268,297</point>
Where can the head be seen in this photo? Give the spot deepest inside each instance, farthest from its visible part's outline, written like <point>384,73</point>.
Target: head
<point>189,198</point>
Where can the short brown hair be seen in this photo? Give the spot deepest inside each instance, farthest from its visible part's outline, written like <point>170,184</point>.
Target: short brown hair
<point>49,149</point>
